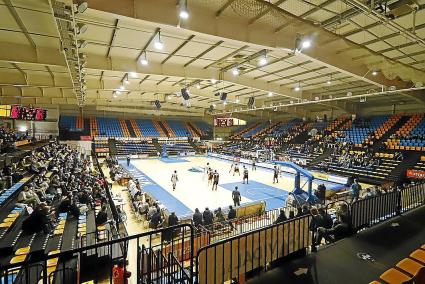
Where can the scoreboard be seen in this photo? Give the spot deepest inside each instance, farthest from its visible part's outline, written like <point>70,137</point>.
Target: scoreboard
<point>223,121</point>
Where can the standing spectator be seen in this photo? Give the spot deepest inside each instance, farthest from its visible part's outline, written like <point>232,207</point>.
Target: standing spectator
<point>236,196</point>
<point>321,193</point>
<point>281,218</point>
<point>208,217</point>
<point>102,216</point>
<point>230,216</point>
<point>156,219</point>
<point>128,160</point>
<point>355,191</point>
<point>197,218</point>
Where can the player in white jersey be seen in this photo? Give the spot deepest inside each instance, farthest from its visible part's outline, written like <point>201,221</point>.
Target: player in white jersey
<point>174,180</point>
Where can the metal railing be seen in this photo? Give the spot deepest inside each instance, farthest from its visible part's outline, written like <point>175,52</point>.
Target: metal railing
<point>101,257</point>
<point>229,259</point>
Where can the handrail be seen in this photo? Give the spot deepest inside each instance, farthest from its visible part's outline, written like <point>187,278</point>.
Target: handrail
<point>95,246</point>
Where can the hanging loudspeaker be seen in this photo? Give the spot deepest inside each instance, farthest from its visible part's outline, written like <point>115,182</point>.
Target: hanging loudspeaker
<point>251,102</point>
<point>223,96</point>
<point>157,104</point>
<point>185,94</point>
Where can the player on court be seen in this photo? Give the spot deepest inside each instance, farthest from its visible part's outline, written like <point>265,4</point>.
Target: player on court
<point>174,180</point>
<point>206,171</point>
<point>210,176</point>
<point>254,167</point>
<point>275,175</point>
<point>216,177</point>
<point>236,169</point>
<point>231,166</point>
<point>245,175</point>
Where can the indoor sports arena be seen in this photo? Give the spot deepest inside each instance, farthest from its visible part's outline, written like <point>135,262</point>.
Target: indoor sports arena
<point>212,141</point>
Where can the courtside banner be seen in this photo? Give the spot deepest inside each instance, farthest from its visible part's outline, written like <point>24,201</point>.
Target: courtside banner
<point>417,174</point>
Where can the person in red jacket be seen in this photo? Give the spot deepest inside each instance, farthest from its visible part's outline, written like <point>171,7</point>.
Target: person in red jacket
<point>119,274</point>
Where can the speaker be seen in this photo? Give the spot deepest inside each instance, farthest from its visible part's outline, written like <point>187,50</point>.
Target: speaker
<point>211,108</point>
<point>251,101</point>
<point>185,94</point>
<point>157,104</point>
<point>223,96</point>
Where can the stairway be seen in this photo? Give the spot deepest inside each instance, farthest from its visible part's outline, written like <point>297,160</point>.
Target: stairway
<point>136,128</point>
<point>241,132</point>
<point>195,129</point>
<point>160,128</point>
<point>166,127</point>
<point>124,128</point>
<point>380,143</point>
<point>86,131</point>
<point>410,159</point>
<point>112,147</point>
<point>130,129</point>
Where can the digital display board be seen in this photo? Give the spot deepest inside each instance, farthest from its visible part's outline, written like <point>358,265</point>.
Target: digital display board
<point>5,110</point>
<point>27,113</point>
<point>223,122</point>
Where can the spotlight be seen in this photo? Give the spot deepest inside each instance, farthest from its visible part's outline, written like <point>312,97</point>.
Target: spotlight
<point>126,81</point>
<point>297,88</point>
<point>214,105</point>
<point>82,28</point>
<point>198,86</point>
<point>329,82</point>
<point>225,103</point>
<point>144,60</point>
<point>374,72</point>
<point>82,43</point>
<point>122,87</point>
<point>133,74</point>
<point>184,14</point>
<point>158,43</point>
<point>263,60</point>
<point>237,100</point>
<point>306,43</point>
<point>117,93</point>
<point>81,8</point>
<point>235,72</point>
<point>213,81</point>
<point>270,94</point>
<point>349,94</point>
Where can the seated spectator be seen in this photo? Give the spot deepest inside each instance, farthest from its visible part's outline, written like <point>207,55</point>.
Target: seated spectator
<point>327,221</point>
<point>28,196</point>
<point>38,220</point>
<point>119,274</point>
<point>156,219</point>
<point>197,218</point>
<point>282,217</point>
<point>67,206</point>
<point>340,229</point>
<point>102,216</point>
<point>321,193</point>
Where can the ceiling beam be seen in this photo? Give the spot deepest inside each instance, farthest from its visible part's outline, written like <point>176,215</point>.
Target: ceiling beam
<point>186,41</point>
<point>157,30</point>
<point>264,12</point>
<point>18,20</point>
<point>224,7</point>
<point>203,53</point>
<point>231,54</point>
<point>111,42</point>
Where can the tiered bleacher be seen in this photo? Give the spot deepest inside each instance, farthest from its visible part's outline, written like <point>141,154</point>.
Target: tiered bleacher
<point>109,127</point>
<point>147,128</point>
<point>362,129</point>
<point>179,129</point>
<point>125,148</point>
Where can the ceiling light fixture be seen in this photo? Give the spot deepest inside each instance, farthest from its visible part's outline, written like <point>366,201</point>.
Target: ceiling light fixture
<point>270,94</point>
<point>184,14</point>
<point>158,43</point>
<point>306,43</point>
<point>122,87</point>
<point>237,100</point>
<point>81,8</point>
<point>263,60</point>
<point>213,81</point>
<point>133,74</point>
<point>235,71</point>
<point>125,79</point>
<point>144,60</point>
<point>329,82</point>
<point>198,86</point>
<point>374,72</point>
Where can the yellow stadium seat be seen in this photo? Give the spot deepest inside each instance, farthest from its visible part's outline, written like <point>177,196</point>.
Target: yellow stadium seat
<point>410,266</point>
<point>22,251</point>
<point>393,276</point>
<point>52,262</point>
<point>54,252</point>
<point>6,224</point>
<point>419,255</point>
<point>18,258</point>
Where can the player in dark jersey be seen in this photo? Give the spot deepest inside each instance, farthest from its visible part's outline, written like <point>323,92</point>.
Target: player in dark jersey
<point>275,175</point>
<point>236,169</point>
<point>210,176</point>
<point>245,175</point>
<point>216,177</point>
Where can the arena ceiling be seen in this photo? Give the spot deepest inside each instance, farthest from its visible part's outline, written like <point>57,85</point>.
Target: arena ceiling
<point>355,50</point>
